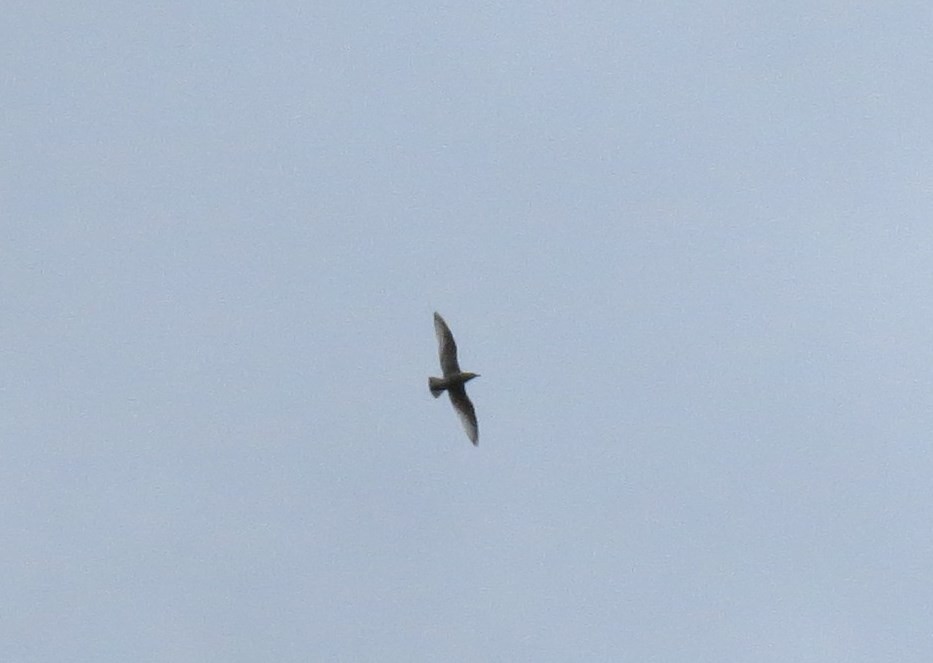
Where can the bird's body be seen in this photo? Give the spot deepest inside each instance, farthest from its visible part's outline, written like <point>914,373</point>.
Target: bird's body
<point>454,380</point>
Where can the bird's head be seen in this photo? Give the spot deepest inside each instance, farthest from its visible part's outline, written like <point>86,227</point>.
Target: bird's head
<point>469,376</point>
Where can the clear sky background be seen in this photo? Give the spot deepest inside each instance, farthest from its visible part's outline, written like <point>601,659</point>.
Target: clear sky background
<point>689,247</point>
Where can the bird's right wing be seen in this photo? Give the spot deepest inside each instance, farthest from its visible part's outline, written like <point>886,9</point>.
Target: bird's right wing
<point>446,347</point>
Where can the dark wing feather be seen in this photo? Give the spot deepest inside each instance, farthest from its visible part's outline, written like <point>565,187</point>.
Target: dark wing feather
<point>465,411</point>
<point>446,347</point>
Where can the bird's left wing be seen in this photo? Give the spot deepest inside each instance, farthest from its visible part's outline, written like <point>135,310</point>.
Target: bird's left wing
<point>466,412</point>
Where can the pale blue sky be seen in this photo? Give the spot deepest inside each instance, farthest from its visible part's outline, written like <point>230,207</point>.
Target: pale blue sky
<point>688,247</point>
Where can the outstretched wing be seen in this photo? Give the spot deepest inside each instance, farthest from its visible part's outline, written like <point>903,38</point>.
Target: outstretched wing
<point>465,411</point>
<point>446,347</point>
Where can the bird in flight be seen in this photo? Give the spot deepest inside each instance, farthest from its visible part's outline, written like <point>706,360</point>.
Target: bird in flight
<point>454,380</point>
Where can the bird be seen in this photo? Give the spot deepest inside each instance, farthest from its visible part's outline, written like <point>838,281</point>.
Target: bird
<point>454,380</point>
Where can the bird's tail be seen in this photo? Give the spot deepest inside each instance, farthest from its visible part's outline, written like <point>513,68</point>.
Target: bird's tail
<point>436,386</point>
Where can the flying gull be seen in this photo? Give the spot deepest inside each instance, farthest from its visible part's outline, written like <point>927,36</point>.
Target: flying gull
<point>454,380</point>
